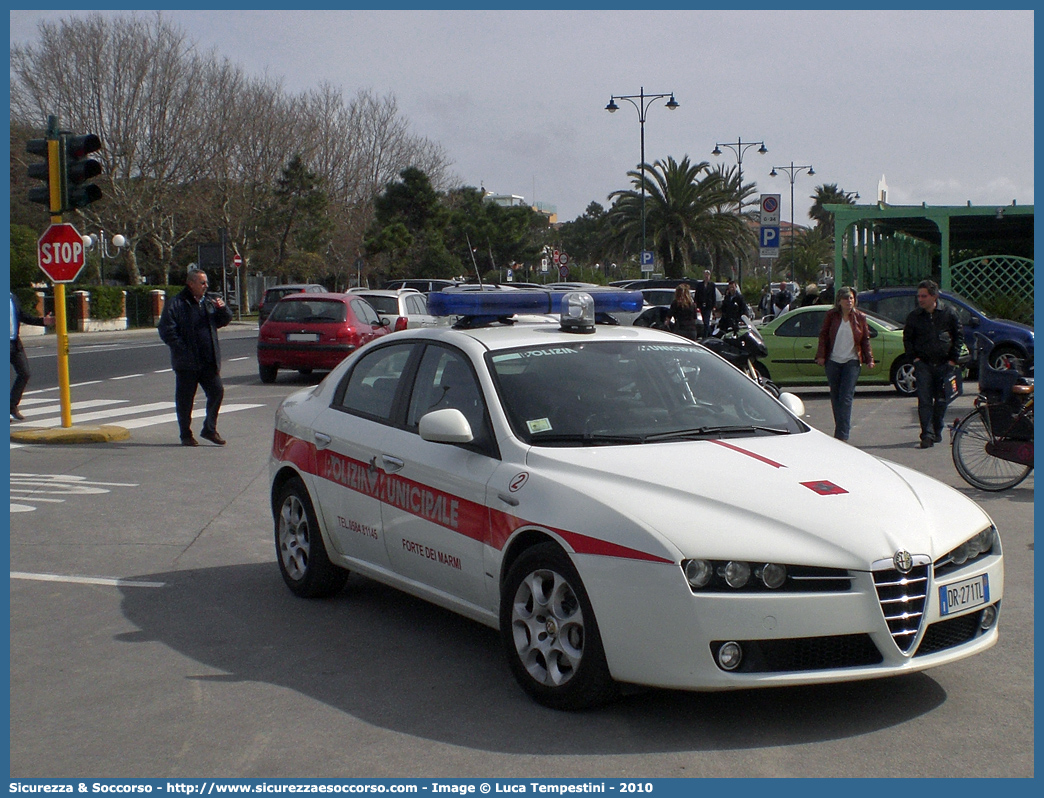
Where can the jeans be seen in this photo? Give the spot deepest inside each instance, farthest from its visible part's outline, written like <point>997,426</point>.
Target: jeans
<point>841,377</point>
<point>931,395</point>
<point>185,394</point>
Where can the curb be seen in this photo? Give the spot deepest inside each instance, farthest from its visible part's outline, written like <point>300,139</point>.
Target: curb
<point>104,433</point>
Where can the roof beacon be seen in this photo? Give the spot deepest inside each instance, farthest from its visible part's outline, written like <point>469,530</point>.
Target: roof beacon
<point>578,312</point>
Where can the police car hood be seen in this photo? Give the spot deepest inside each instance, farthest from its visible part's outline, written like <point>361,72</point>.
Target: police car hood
<point>802,498</point>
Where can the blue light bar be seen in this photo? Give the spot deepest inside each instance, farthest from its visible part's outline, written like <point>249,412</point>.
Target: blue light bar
<point>526,300</point>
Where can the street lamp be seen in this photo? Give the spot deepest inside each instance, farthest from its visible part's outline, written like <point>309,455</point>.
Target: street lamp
<point>740,147</point>
<point>791,171</point>
<point>642,106</point>
<point>89,242</point>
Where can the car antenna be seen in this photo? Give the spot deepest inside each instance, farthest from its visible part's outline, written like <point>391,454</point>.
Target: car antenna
<point>472,251</point>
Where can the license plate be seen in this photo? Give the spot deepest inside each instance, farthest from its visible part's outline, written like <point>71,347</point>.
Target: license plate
<point>963,595</point>
<point>302,336</point>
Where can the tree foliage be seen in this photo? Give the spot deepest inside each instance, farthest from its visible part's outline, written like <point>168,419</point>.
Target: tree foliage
<point>192,145</point>
<point>828,194</point>
<point>687,207</point>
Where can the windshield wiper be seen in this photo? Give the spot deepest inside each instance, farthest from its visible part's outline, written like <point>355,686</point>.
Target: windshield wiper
<point>586,439</point>
<point>703,432</point>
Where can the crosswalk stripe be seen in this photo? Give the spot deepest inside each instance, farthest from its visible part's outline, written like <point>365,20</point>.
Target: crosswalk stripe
<point>83,418</point>
<point>27,410</point>
<point>138,423</point>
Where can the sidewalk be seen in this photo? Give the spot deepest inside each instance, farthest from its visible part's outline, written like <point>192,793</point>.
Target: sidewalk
<point>50,338</point>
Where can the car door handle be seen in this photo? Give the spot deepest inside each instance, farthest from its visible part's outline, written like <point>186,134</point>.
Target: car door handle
<point>507,499</point>
<point>321,440</point>
<point>392,464</point>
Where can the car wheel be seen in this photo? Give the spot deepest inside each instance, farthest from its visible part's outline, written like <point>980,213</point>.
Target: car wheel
<point>903,379</point>
<point>549,633</point>
<point>267,373</point>
<point>1006,357</point>
<point>303,561</point>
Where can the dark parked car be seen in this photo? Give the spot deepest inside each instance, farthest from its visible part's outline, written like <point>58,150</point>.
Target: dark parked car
<point>1012,341</point>
<point>277,292</point>
<point>314,331</point>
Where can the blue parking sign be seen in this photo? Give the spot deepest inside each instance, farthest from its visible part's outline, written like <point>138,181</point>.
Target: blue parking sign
<point>769,236</point>
<point>647,258</point>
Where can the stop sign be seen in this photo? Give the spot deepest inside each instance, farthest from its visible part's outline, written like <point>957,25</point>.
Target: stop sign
<point>60,253</point>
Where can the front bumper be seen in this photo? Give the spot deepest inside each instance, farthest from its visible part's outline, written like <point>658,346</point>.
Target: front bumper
<point>656,632</point>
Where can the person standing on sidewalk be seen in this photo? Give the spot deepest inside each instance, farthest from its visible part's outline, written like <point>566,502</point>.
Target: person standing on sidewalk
<point>19,361</point>
<point>189,326</point>
<point>844,346</point>
<point>933,337</point>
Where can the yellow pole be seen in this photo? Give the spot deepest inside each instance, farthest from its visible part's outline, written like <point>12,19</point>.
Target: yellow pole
<point>65,399</point>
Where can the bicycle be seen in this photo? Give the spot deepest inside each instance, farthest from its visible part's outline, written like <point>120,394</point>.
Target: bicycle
<point>992,446</point>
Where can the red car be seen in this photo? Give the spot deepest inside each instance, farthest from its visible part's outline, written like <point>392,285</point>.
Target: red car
<point>314,331</point>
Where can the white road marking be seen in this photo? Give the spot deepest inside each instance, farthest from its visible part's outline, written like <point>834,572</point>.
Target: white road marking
<point>82,418</point>
<point>85,580</point>
<point>127,377</point>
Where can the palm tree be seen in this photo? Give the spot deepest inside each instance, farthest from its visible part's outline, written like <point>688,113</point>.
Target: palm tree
<point>805,256</point>
<point>687,207</point>
<point>828,194</point>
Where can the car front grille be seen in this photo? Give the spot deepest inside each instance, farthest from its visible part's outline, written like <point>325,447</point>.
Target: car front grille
<point>805,654</point>
<point>902,598</point>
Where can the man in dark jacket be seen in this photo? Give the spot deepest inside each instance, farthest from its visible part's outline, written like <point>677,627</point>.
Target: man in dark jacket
<point>933,337</point>
<point>733,308</point>
<point>706,298</point>
<point>19,361</point>
<point>189,326</point>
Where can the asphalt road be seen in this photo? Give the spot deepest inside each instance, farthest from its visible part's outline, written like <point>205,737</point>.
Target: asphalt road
<point>151,634</point>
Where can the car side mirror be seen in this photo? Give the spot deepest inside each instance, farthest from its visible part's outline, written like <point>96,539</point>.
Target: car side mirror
<point>445,426</point>
<point>792,403</point>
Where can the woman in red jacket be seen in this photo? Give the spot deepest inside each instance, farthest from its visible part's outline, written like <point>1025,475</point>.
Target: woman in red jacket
<point>844,346</point>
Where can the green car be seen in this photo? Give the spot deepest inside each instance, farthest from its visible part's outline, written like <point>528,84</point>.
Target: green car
<point>792,340</point>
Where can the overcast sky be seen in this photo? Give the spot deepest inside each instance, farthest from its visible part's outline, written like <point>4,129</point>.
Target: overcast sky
<point>938,102</point>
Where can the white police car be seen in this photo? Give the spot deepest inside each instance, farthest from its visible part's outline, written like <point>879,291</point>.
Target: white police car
<point>625,506</point>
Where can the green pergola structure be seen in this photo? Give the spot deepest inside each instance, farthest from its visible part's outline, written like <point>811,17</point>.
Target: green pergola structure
<point>886,245</point>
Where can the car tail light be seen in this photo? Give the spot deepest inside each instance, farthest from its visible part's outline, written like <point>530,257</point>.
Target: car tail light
<point>400,323</point>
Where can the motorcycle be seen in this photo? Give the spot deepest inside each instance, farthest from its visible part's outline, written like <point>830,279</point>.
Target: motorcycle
<point>742,346</point>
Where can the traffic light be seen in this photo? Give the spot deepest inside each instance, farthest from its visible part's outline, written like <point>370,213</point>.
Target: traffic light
<point>77,169</point>
<point>40,171</point>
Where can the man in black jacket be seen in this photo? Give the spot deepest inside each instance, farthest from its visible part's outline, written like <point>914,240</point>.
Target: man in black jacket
<point>705,296</point>
<point>189,326</point>
<point>933,337</point>
<point>733,308</point>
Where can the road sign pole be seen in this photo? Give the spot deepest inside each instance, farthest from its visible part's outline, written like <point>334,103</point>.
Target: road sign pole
<point>61,327</point>
<point>60,322</point>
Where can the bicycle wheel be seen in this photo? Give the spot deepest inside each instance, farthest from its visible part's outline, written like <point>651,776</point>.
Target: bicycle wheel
<point>975,465</point>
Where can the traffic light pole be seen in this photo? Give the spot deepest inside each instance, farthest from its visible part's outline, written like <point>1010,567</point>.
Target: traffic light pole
<point>60,321</point>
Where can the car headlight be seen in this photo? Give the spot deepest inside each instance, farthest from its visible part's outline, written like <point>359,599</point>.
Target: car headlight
<point>735,573</point>
<point>698,573</point>
<point>976,546</point>
<point>726,576</point>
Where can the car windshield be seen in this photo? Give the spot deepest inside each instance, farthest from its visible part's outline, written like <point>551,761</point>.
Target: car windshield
<point>383,304</point>
<point>630,392</point>
<point>300,311</point>
<point>884,321</point>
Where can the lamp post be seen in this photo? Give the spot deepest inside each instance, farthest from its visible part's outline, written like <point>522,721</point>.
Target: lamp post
<point>791,171</point>
<point>642,106</point>
<point>89,242</point>
<point>740,147</point>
